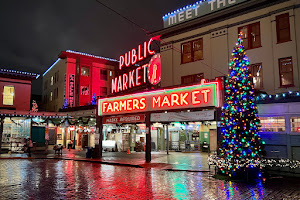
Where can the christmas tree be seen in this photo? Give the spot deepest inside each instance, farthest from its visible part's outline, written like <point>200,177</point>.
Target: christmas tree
<point>66,105</point>
<point>94,100</point>
<point>241,144</point>
<point>34,106</point>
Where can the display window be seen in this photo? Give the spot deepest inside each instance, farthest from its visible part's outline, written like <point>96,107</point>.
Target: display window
<point>272,124</point>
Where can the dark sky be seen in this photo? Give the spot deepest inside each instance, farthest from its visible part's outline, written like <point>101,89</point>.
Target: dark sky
<point>34,32</point>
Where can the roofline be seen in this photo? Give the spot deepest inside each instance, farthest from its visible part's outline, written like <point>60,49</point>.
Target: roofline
<point>19,73</point>
<point>51,67</point>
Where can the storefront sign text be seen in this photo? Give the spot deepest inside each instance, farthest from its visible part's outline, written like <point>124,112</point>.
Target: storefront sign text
<point>124,119</point>
<point>71,89</point>
<point>202,95</point>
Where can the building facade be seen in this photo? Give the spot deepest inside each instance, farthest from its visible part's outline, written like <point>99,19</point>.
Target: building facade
<point>197,43</point>
<point>75,78</point>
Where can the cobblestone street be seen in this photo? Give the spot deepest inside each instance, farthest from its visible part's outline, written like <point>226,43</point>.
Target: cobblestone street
<point>67,179</point>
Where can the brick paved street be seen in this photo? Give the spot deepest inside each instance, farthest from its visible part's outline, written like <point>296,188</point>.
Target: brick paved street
<point>67,179</point>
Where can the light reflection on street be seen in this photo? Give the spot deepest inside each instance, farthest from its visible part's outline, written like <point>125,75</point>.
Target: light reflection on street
<point>53,179</point>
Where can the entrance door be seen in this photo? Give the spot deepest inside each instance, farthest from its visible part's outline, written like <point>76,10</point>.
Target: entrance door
<point>38,135</point>
<point>213,140</point>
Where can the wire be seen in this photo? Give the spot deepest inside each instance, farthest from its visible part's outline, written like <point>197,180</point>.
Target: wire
<point>148,32</point>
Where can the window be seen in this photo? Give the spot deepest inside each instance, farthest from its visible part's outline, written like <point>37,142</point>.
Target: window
<point>56,91</point>
<point>257,73</point>
<point>85,90</point>
<point>295,124</point>
<point>192,51</point>
<point>85,71</point>
<point>8,95</point>
<point>283,28</point>
<point>251,35</point>
<point>103,92</point>
<point>195,78</point>
<point>56,77</point>
<point>286,72</point>
<point>51,80</point>
<point>51,96</point>
<point>272,124</point>
<point>103,74</point>
<point>110,73</point>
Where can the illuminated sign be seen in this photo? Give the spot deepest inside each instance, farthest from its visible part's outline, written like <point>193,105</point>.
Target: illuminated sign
<point>154,70</point>
<point>200,8</point>
<point>137,76</point>
<point>71,89</point>
<point>201,95</point>
<point>124,119</point>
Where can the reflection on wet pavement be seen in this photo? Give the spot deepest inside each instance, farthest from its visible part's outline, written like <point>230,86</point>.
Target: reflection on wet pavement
<point>52,179</point>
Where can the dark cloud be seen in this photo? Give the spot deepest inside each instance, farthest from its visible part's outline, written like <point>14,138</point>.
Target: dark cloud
<point>33,32</point>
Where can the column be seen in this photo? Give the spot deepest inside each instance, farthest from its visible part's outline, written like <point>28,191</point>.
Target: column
<point>148,138</point>
<point>1,131</point>
<point>99,126</point>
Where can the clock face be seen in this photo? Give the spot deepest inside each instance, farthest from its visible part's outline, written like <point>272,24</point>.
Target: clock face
<point>154,70</point>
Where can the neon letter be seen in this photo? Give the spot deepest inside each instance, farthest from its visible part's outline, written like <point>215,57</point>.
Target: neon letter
<point>145,72</point>
<point>116,106</point>
<point>183,97</point>
<point>127,59</point>
<point>131,79</point>
<point>109,108</point>
<point>138,77</point>
<point>128,104</point>
<point>155,101</point>
<point>119,84</point>
<point>174,99</point>
<point>165,101</point>
<point>133,56</point>
<point>205,95</point>
<point>123,105</point>
<point>149,46</point>
<point>121,62</point>
<point>104,107</point>
<point>142,101</point>
<point>136,104</point>
<point>140,57</point>
<point>145,49</point>
<point>125,82</point>
<point>194,97</point>
<point>114,85</point>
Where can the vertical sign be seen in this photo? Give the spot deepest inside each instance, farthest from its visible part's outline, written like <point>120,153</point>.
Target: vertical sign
<point>71,89</point>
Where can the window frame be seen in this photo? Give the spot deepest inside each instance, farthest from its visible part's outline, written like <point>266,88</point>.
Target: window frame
<point>262,79</point>
<point>101,78</point>
<point>284,15</point>
<point>193,77</point>
<point>280,73</point>
<point>13,99</point>
<point>192,50</point>
<point>85,67</point>
<point>249,30</point>
<point>276,127</point>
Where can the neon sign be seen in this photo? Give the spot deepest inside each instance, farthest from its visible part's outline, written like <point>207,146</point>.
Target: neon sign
<point>201,95</point>
<point>137,76</point>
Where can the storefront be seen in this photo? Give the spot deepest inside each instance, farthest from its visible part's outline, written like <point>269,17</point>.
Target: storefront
<point>179,119</point>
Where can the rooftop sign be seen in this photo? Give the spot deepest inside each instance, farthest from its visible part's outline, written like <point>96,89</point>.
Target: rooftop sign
<point>198,9</point>
<point>201,95</point>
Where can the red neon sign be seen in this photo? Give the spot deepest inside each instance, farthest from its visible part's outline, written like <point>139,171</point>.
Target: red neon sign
<point>202,95</point>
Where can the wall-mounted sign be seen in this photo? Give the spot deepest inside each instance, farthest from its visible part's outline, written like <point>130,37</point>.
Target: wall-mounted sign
<point>183,116</point>
<point>137,75</point>
<point>201,95</point>
<point>71,89</point>
<point>124,119</point>
<point>200,8</point>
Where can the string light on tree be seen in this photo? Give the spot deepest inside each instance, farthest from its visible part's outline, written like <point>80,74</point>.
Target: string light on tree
<point>241,144</point>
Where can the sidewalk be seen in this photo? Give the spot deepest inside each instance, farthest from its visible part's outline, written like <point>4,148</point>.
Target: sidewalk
<point>175,161</point>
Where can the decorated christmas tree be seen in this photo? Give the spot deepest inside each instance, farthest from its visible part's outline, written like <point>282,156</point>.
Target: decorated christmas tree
<point>34,106</point>
<point>66,105</point>
<point>241,143</point>
<point>94,100</point>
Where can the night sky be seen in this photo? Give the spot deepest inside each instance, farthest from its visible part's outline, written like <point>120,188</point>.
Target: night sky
<point>34,32</point>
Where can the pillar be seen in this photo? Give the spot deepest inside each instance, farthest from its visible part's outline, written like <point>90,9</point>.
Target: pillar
<point>98,147</point>
<point>148,138</point>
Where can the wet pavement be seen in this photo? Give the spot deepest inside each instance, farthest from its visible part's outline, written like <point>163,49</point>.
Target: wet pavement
<point>69,179</point>
<point>160,160</point>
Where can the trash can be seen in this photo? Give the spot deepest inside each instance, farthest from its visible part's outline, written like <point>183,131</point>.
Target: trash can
<point>89,152</point>
<point>205,147</point>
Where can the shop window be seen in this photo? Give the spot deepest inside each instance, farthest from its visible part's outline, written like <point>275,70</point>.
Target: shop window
<point>251,35</point>
<point>286,72</point>
<point>283,28</point>
<point>85,90</point>
<point>51,96</point>
<point>8,95</point>
<point>257,73</point>
<point>103,92</point>
<point>195,78</point>
<point>51,80</point>
<point>295,124</point>
<point>103,74</point>
<point>192,51</point>
<point>272,124</point>
<point>85,71</point>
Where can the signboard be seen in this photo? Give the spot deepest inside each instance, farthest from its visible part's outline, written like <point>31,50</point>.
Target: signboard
<point>71,89</point>
<point>199,9</point>
<point>137,76</point>
<point>201,95</point>
<point>183,117</point>
<point>124,119</point>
